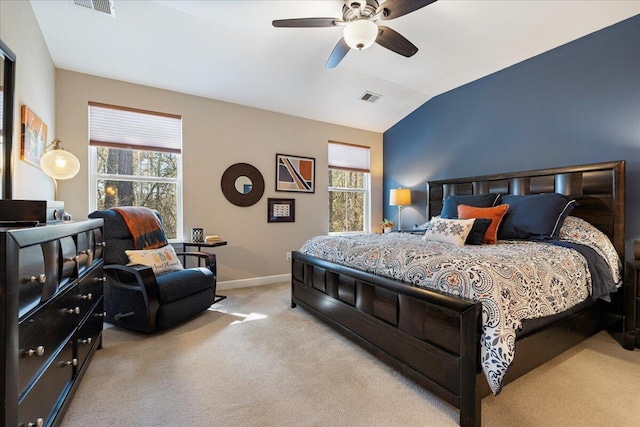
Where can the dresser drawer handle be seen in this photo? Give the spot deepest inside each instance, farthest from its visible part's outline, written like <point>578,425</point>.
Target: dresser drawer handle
<point>41,278</point>
<point>72,310</point>
<point>102,279</point>
<point>88,296</point>
<point>87,341</point>
<point>103,314</point>
<point>103,244</point>
<point>39,423</point>
<point>74,259</point>
<point>39,351</point>
<point>87,252</point>
<point>72,362</point>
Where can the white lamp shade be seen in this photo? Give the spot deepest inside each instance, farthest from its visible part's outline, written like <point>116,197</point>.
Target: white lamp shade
<point>59,164</point>
<point>400,197</point>
<point>360,34</point>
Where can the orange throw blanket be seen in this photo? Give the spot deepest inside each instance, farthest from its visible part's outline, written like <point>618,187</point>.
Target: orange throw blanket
<point>144,225</point>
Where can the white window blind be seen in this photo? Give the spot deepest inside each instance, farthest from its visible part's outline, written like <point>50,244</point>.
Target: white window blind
<point>121,127</point>
<point>349,157</point>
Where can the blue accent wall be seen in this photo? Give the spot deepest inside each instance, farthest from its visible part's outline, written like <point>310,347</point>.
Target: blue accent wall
<point>576,104</point>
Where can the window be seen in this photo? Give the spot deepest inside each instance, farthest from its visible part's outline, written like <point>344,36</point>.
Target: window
<point>349,183</point>
<point>135,160</point>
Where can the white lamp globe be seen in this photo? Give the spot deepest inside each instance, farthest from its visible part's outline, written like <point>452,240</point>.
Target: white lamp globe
<point>360,34</point>
<point>59,164</point>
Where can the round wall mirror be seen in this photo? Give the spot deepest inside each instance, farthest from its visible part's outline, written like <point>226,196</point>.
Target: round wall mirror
<point>242,184</point>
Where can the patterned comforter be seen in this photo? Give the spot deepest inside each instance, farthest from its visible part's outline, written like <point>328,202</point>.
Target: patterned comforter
<point>514,280</point>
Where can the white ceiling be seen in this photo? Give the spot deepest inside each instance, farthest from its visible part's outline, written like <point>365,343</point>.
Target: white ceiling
<point>228,50</point>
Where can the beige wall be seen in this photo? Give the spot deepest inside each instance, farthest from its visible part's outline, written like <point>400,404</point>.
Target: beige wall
<point>35,87</point>
<point>216,135</point>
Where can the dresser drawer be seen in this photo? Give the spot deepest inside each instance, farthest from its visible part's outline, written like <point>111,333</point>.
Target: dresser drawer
<point>42,333</point>
<point>87,335</point>
<point>98,244</point>
<point>68,260</point>
<point>90,290</point>
<point>32,276</point>
<point>45,397</point>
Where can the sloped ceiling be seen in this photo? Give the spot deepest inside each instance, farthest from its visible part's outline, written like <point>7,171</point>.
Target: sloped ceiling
<point>228,50</point>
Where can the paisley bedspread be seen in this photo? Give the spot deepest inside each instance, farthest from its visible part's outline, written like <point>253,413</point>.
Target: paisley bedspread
<point>514,280</point>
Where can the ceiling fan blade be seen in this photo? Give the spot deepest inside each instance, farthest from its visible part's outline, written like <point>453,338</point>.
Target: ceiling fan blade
<point>394,8</point>
<point>392,40</point>
<point>339,52</point>
<point>306,22</point>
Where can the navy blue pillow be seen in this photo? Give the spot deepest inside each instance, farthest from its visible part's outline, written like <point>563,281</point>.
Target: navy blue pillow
<point>535,216</point>
<point>476,234</point>
<point>450,207</point>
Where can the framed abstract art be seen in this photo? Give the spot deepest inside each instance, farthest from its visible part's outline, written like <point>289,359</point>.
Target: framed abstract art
<point>295,173</point>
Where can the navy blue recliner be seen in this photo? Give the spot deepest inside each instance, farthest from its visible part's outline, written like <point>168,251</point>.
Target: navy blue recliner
<point>135,298</point>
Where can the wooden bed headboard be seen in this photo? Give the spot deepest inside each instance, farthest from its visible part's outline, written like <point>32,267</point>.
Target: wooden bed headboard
<point>598,187</point>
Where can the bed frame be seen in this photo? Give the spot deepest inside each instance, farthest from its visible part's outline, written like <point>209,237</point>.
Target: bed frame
<point>432,337</point>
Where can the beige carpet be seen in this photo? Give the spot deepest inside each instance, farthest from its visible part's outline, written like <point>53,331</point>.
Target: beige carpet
<point>254,361</point>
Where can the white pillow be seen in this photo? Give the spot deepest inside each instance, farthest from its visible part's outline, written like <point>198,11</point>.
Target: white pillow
<point>161,260</point>
<point>454,231</point>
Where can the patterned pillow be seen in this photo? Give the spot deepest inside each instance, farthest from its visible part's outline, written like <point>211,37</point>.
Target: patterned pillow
<point>495,214</point>
<point>161,260</point>
<point>454,231</point>
<point>577,230</point>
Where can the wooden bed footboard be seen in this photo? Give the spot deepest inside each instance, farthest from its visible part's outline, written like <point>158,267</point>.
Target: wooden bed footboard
<point>431,337</point>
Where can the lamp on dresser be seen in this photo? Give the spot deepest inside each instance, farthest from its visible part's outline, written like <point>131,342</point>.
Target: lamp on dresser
<point>400,197</point>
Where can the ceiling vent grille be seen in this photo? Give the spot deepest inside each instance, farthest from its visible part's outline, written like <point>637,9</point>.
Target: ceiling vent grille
<point>104,6</point>
<point>370,97</point>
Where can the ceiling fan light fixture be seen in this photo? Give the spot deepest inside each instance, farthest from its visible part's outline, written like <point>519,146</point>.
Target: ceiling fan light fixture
<point>360,34</point>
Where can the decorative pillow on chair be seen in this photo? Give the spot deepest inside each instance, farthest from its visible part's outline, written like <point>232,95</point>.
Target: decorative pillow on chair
<point>495,214</point>
<point>161,260</point>
<point>454,231</point>
<point>535,216</point>
<point>451,203</point>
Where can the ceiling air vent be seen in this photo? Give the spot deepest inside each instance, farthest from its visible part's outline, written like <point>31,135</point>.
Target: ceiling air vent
<point>104,6</point>
<point>370,97</point>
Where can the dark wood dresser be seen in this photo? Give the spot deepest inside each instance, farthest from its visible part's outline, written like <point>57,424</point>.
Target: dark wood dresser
<point>51,317</point>
<point>632,312</point>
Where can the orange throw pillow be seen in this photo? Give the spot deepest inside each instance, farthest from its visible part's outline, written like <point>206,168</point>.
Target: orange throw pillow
<point>495,213</point>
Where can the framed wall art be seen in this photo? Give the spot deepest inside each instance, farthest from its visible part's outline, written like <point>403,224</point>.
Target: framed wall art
<point>281,210</point>
<point>295,173</point>
<point>34,137</point>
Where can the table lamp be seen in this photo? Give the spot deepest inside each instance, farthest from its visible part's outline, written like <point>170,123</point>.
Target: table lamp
<point>400,197</point>
<point>58,164</point>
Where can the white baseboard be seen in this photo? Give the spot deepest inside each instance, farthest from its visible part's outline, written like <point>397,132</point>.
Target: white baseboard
<point>255,281</point>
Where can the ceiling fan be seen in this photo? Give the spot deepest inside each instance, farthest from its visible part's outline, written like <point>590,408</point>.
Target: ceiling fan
<point>360,27</point>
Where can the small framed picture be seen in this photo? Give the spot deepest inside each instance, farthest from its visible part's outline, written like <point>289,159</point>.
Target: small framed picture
<point>281,210</point>
<point>295,173</point>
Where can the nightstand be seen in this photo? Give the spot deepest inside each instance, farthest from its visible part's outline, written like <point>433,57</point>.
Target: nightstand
<point>632,311</point>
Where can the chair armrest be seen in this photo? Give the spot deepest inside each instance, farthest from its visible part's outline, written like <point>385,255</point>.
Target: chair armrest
<point>147,281</point>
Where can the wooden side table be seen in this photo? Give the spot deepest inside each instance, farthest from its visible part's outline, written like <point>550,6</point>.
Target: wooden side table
<point>632,312</point>
<point>199,245</point>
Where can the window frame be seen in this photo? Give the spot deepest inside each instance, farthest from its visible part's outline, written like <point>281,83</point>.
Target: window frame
<point>94,177</point>
<point>366,218</point>
<point>172,144</point>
